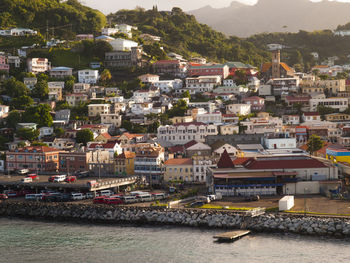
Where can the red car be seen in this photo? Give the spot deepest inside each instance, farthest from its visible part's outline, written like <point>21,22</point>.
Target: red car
<point>33,176</point>
<point>51,178</point>
<point>3,197</point>
<point>113,201</point>
<point>99,200</point>
<point>70,179</point>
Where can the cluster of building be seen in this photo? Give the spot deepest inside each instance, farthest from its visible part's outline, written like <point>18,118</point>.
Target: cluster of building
<point>224,138</point>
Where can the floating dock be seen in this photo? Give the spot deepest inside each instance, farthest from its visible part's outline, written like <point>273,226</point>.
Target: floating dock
<point>231,236</point>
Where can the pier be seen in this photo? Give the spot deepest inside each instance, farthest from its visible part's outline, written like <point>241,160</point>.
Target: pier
<point>231,236</point>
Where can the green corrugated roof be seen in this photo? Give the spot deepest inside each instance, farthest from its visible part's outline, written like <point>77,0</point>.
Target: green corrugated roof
<point>238,65</point>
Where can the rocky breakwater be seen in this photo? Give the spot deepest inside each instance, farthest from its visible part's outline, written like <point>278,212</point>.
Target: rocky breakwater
<point>324,226</point>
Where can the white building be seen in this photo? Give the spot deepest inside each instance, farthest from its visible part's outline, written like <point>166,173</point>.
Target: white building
<point>107,31</point>
<point>88,76</point>
<point>340,104</point>
<point>229,82</point>
<point>120,44</point>
<point>81,88</point>
<point>45,131</point>
<point>213,118</point>
<point>181,133</point>
<point>291,119</point>
<point>149,78</point>
<point>38,65</point>
<point>75,99</point>
<point>202,84</point>
<point>17,32</point>
<point>125,29</point>
<point>113,119</point>
<point>280,143</point>
<point>262,125</point>
<point>311,117</point>
<point>230,89</point>
<point>200,166</point>
<point>98,109</point>
<point>229,129</point>
<point>166,86</point>
<point>240,109</point>
<point>265,90</point>
<point>4,110</point>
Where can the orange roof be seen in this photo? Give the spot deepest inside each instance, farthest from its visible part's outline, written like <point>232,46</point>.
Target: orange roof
<point>106,135</point>
<point>39,149</point>
<point>266,66</point>
<point>320,66</point>
<point>179,161</point>
<point>131,136</point>
<point>240,160</point>
<point>126,155</point>
<point>285,66</point>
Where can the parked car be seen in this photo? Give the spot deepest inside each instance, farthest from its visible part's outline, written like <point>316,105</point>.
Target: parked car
<point>26,180</point>
<point>63,198</point>
<point>3,196</point>
<point>83,174</point>
<point>106,193</point>
<point>70,179</point>
<point>33,176</point>
<point>23,171</point>
<point>59,178</point>
<point>89,195</point>
<point>12,194</point>
<point>77,196</point>
<point>252,198</point>
<point>99,200</point>
<point>197,204</point>
<point>33,197</point>
<point>113,201</point>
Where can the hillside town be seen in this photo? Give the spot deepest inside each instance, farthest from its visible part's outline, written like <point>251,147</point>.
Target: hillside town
<point>233,128</point>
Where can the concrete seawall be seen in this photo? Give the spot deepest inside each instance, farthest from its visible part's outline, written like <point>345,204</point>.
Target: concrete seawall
<point>322,226</point>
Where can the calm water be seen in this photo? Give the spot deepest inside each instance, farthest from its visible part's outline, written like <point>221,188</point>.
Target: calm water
<point>32,241</point>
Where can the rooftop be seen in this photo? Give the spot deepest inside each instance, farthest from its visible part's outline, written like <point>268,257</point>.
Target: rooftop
<point>179,161</point>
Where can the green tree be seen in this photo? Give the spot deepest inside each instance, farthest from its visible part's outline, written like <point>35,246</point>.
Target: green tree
<point>68,85</point>
<point>13,118</point>
<point>314,144</point>
<point>105,75</point>
<point>15,88</point>
<point>323,110</point>
<point>28,134</point>
<point>39,114</point>
<point>100,48</point>
<point>178,110</point>
<point>153,127</point>
<point>59,132</point>
<point>22,102</point>
<point>186,94</point>
<point>41,90</point>
<point>84,136</point>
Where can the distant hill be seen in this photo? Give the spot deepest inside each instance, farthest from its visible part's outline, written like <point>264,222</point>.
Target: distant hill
<point>274,16</point>
<point>181,33</point>
<point>62,18</point>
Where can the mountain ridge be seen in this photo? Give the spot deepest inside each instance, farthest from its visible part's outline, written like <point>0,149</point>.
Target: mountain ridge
<point>274,16</point>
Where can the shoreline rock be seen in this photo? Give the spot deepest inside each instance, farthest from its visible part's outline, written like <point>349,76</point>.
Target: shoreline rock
<point>281,223</point>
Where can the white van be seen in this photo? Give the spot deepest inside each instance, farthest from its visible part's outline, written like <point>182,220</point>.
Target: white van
<point>145,197</point>
<point>158,196</point>
<point>77,196</point>
<point>59,178</point>
<point>106,193</point>
<point>23,171</point>
<point>128,199</point>
<point>27,180</point>
<point>135,193</point>
<point>33,197</point>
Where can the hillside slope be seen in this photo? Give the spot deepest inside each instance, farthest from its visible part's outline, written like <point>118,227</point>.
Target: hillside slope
<point>68,17</point>
<point>181,33</point>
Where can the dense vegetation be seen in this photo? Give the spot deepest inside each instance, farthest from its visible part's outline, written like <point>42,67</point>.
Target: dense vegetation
<point>181,33</point>
<point>300,45</point>
<point>64,18</point>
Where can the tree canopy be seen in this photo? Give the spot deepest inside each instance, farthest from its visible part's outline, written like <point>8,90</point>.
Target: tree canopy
<point>84,136</point>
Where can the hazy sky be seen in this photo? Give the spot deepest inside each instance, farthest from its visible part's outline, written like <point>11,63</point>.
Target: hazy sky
<point>110,6</point>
